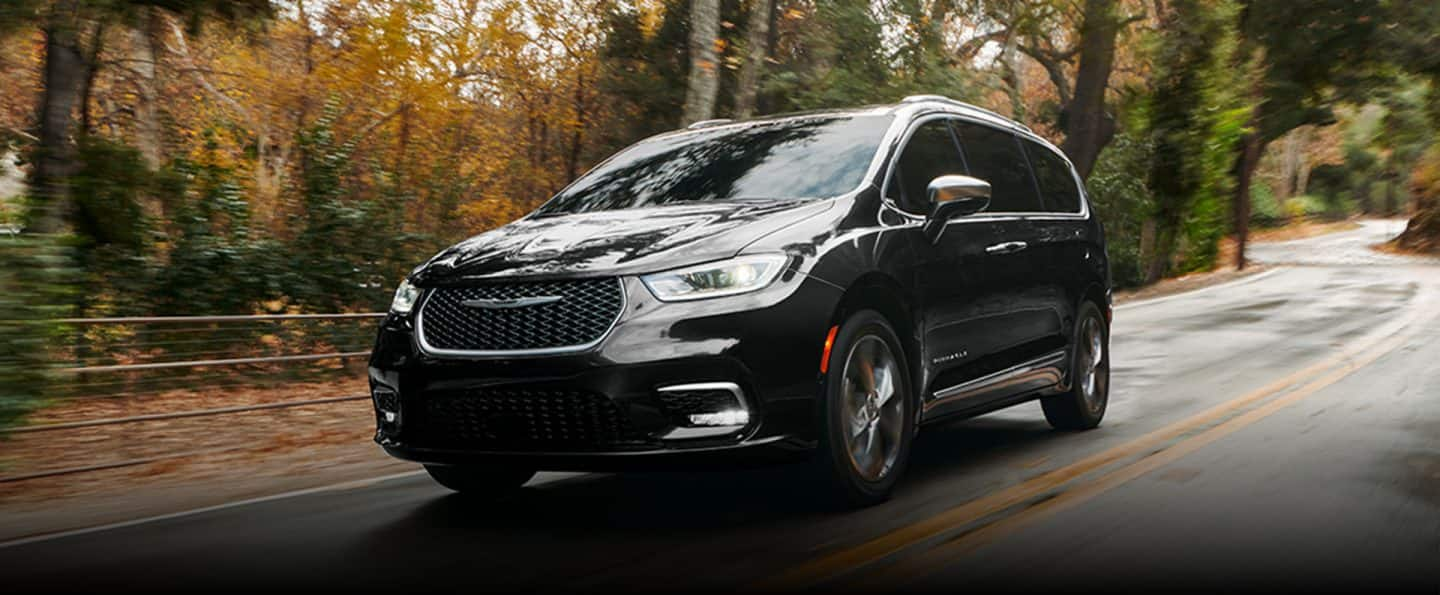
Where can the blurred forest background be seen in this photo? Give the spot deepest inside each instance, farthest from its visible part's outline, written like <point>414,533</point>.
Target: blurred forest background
<point>170,157</point>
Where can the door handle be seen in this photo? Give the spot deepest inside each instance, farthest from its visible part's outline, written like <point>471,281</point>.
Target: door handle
<point>1006,248</point>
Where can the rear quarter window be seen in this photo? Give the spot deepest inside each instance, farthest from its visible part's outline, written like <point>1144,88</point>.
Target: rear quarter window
<point>1057,185</point>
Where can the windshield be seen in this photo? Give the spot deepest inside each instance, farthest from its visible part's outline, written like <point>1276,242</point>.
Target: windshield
<point>791,158</point>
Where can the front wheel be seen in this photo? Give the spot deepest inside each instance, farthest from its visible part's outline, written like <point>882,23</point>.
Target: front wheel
<point>480,481</point>
<point>867,411</point>
<point>1083,406</point>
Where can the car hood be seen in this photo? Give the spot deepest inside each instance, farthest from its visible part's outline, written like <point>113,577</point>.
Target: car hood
<point>615,242</point>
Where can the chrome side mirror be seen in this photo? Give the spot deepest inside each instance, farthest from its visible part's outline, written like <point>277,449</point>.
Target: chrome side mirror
<point>951,197</point>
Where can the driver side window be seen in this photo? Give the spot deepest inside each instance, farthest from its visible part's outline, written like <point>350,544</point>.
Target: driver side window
<point>930,153</point>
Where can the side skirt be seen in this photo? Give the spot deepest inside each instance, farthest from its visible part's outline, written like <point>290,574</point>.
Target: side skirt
<point>1019,383</point>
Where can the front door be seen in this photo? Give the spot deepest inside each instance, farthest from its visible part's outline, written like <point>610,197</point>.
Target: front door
<point>966,286</point>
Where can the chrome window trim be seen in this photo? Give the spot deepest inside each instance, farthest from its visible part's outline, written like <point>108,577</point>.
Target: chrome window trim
<point>1020,135</point>
<point>430,350</point>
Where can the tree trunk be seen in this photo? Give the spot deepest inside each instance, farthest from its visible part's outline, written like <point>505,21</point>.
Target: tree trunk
<point>92,69</point>
<point>757,37</point>
<point>1088,127</point>
<point>1302,177</point>
<point>1013,76</point>
<point>1290,165</point>
<point>704,80</point>
<point>1147,245</point>
<point>1251,147</point>
<point>1164,237</point>
<point>144,58</point>
<point>1392,202</point>
<point>55,153</point>
<point>577,133</point>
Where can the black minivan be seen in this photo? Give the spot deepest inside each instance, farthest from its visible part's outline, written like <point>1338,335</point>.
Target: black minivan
<point>816,285</point>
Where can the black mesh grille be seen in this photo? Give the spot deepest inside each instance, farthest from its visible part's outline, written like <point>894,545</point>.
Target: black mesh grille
<point>387,400</point>
<point>584,313</point>
<point>524,420</point>
<point>682,403</point>
<point>387,411</point>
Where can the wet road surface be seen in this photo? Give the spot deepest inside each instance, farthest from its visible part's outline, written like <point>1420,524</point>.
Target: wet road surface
<point>1280,432</point>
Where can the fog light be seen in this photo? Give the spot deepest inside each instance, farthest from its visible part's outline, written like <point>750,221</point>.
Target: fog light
<point>705,404</point>
<point>730,417</point>
<point>387,408</point>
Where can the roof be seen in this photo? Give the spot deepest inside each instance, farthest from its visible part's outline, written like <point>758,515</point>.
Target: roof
<point>903,110</point>
<point>910,103</point>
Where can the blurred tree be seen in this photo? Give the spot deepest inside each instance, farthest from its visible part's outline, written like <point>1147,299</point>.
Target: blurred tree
<point>1310,56</point>
<point>704,81</point>
<point>643,72</point>
<point>757,42</point>
<point>831,55</point>
<point>1194,119</point>
<point>36,283</point>
<point>74,31</point>
<point>1075,43</point>
<point>1087,124</point>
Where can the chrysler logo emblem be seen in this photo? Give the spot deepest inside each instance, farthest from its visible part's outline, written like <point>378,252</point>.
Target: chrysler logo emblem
<point>495,304</point>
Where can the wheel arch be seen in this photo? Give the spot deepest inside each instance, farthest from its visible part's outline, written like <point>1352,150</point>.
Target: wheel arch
<point>882,293</point>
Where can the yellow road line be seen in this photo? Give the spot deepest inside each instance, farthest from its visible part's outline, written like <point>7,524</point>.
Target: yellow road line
<point>885,546</point>
<point>933,559</point>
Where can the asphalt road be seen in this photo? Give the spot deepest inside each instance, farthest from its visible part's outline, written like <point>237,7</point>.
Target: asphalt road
<point>1277,433</point>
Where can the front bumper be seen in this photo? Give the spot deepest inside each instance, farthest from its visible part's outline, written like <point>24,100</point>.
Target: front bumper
<point>759,451</point>
<point>769,344</point>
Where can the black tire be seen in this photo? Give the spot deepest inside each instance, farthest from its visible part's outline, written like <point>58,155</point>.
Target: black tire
<point>836,464</point>
<point>480,481</point>
<point>1082,407</point>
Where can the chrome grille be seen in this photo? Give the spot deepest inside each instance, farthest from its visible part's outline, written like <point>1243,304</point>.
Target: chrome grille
<point>512,316</point>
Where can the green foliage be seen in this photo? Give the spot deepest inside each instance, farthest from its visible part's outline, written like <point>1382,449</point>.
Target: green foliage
<point>37,280</point>
<point>1195,119</point>
<point>1329,182</point>
<point>114,237</point>
<point>1265,209</point>
<point>207,258</point>
<point>644,74</point>
<point>215,263</point>
<point>1315,53</point>
<point>107,192</point>
<point>1309,205</point>
<point>844,63</point>
<point>1208,220</point>
<point>351,244</point>
<point>1124,202</point>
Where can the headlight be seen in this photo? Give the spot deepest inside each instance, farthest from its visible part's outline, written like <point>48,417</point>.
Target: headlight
<point>405,297</point>
<point>738,275</point>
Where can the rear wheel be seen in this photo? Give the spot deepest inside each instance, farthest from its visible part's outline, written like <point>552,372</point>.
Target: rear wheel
<point>482,481</point>
<point>1083,406</point>
<point>867,412</point>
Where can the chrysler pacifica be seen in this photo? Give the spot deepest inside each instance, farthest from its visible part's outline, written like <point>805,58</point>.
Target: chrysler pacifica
<point>808,286</point>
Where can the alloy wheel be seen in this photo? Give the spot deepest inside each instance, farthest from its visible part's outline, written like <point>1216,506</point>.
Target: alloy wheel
<point>874,411</point>
<point>1093,364</point>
